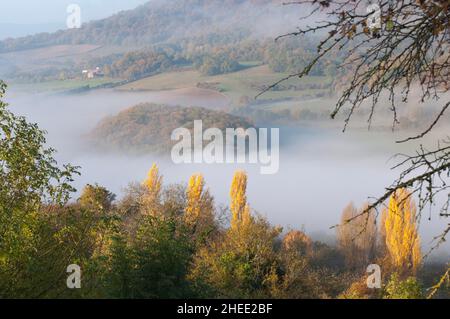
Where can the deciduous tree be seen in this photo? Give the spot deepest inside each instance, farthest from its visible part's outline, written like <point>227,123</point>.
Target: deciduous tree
<point>402,238</point>
<point>153,188</point>
<point>240,210</point>
<point>199,211</point>
<point>357,239</point>
<point>30,179</point>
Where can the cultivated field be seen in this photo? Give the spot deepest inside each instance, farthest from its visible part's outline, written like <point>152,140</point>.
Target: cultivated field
<point>237,86</point>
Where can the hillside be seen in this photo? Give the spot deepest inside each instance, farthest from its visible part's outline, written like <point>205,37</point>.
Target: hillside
<point>162,22</point>
<point>147,128</point>
<point>212,36</point>
<point>240,87</point>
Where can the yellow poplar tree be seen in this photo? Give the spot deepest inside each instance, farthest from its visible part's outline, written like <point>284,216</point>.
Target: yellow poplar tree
<point>153,185</point>
<point>199,211</point>
<point>402,238</point>
<point>243,255</point>
<point>194,197</point>
<point>240,210</point>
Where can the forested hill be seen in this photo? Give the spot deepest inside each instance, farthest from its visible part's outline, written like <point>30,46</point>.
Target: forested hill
<point>165,21</point>
<point>148,127</point>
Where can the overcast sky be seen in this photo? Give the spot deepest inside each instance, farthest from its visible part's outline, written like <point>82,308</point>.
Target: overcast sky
<point>20,17</point>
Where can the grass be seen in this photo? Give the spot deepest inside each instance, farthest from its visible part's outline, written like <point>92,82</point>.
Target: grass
<point>63,85</point>
<point>244,83</point>
<point>247,82</point>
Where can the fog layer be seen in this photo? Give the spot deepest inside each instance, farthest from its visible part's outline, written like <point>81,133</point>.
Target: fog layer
<point>321,170</point>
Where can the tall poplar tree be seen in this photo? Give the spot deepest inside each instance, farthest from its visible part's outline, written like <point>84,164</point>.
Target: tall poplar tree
<point>402,238</point>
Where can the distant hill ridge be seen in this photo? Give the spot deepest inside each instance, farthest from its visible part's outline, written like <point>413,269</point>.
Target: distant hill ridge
<point>159,22</point>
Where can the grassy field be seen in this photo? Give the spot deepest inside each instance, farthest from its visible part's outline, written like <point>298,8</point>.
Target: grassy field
<point>245,83</point>
<point>64,85</point>
<point>239,88</point>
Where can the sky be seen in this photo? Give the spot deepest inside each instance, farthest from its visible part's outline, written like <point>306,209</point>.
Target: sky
<point>23,17</point>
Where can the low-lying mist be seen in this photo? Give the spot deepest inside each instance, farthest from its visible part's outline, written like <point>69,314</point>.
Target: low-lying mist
<point>321,169</point>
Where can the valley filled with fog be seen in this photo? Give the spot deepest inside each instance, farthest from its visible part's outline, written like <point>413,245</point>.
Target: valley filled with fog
<point>238,149</point>
<point>321,170</point>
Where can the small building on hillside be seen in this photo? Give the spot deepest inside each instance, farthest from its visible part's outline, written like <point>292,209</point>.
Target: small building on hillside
<point>92,73</point>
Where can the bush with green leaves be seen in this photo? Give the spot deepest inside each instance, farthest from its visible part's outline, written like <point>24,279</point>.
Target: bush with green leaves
<point>408,288</point>
<point>30,178</point>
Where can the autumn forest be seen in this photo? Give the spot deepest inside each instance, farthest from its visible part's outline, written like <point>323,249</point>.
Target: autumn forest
<point>315,160</point>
